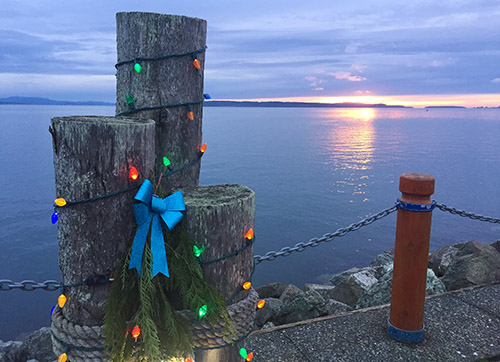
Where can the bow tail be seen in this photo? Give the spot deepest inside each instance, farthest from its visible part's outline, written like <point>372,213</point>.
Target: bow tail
<point>138,245</point>
<point>158,248</point>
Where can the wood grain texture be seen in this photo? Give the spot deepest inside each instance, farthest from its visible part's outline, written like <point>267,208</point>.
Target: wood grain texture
<point>219,217</point>
<point>170,81</point>
<point>92,157</point>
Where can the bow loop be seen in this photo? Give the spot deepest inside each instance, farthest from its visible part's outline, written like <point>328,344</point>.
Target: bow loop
<point>149,210</point>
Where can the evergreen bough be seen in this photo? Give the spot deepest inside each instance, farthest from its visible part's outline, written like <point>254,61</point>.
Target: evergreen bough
<point>149,303</point>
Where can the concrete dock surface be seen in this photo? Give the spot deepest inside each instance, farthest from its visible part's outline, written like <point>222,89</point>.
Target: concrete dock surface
<point>462,325</point>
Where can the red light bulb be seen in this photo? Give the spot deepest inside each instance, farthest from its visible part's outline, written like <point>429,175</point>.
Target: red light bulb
<point>133,173</point>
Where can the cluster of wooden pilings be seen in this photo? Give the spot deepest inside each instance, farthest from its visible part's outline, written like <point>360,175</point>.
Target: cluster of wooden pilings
<point>93,157</point>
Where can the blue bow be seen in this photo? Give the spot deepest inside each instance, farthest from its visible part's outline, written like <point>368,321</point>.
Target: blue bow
<point>150,210</point>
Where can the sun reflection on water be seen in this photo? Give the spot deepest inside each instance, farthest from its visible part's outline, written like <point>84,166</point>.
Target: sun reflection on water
<point>350,147</point>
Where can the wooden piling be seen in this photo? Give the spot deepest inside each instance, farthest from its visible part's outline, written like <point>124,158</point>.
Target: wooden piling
<point>406,322</point>
<point>169,81</point>
<point>93,157</point>
<point>219,217</point>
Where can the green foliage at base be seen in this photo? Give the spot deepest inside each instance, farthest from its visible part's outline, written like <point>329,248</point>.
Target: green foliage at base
<point>140,300</point>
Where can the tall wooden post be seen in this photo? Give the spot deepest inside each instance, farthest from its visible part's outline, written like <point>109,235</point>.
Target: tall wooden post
<point>93,157</point>
<point>406,322</point>
<point>169,81</point>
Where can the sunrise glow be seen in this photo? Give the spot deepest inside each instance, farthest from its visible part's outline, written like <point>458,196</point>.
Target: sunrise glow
<point>414,100</point>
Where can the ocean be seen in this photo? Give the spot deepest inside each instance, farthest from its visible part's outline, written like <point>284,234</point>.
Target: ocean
<point>313,170</point>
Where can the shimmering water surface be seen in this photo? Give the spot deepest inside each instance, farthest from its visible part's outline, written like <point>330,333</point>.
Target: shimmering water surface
<point>313,170</point>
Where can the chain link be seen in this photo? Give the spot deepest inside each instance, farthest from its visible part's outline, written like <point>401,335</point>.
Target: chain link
<point>286,251</point>
<point>30,285</point>
<point>470,215</point>
<point>53,285</point>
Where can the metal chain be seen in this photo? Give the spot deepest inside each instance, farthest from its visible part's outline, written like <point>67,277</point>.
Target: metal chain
<point>470,215</point>
<point>30,285</point>
<point>53,285</point>
<point>286,251</point>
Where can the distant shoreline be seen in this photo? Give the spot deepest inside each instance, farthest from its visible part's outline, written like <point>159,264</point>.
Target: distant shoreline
<point>17,100</point>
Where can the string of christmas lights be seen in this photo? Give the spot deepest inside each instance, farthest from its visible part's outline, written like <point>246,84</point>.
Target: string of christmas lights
<point>136,60</point>
<point>133,175</point>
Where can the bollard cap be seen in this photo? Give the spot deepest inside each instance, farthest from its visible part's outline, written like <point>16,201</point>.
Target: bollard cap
<point>416,184</point>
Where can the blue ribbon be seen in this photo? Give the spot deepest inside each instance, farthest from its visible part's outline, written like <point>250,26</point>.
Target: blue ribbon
<point>150,211</point>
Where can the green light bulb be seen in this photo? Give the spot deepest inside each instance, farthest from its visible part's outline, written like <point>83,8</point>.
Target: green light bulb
<point>166,161</point>
<point>129,98</point>
<point>243,353</point>
<point>137,67</point>
<point>197,251</point>
<point>202,311</point>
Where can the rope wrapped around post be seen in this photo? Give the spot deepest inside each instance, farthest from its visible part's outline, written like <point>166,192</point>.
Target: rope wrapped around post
<point>86,343</point>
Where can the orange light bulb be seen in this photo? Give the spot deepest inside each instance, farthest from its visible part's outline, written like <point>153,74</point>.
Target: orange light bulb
<point>188,359</point>
<point>197,64</point>
<point>203,148</point>
<point>249,234</point>
<point>249,356</point>
<point>133,173</point>
<point>61,300</point>
<point>62,358</point>
<point>247,285</point>
<point>60,202</point>
<point>136,332</point>
<point>190,115</point>
<point>261,303</point>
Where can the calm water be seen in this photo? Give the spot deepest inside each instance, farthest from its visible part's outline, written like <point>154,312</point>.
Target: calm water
<point>313,171</point>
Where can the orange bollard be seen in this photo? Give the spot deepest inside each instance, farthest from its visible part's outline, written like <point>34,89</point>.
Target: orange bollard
<point>411,253</point>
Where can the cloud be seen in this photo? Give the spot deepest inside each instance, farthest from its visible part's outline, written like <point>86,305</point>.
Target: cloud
<point>358,68</point>
<point>348,76</point>
<point>495,81</point>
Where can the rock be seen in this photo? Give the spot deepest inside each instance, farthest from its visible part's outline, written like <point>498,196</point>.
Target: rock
<point>38,345</point>
<point>10,351</point>
<point>303,306</point>
<point>380,292</point>
<point>271,290</point>
<point>381,261</point>
<point>440,259</point>
<point>289,292</point>
<point>322,289</point>
<point>474,263</point>
<point>496,245</point>
<point>334,307</point>
<point>324,279</point>
<point>268,325</point>
<point>342,277</point>
<point>268,311</point>
<point>353,286</point>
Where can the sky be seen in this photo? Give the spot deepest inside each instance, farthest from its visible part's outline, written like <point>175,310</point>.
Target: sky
<point>417,53</point>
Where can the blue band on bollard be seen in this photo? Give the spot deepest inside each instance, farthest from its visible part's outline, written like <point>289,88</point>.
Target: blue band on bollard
<point>405,336</point>
<point>415,207</point>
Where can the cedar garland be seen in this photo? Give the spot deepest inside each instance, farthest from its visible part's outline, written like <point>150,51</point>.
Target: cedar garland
<point>151,304</point>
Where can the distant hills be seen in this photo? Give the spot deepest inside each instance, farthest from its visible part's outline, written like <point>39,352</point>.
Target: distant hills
<point>295,104</point>
<point>50,102</point>
<point>211,103</point>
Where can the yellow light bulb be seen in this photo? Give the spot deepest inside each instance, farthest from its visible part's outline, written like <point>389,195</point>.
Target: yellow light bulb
<point>60,202</point>
<point>62,358</point>
<point>61,300</point>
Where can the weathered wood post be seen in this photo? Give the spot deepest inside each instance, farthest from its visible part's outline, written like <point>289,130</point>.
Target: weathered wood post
<point>411,252</point>
<point>166,88</point>
<point>93,157</point>
<point>219,217</point>
<point>169,79</point>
